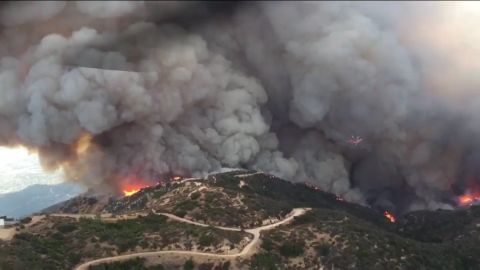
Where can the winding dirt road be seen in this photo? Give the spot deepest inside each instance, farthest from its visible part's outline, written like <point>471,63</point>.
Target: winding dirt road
<point>246,250</point>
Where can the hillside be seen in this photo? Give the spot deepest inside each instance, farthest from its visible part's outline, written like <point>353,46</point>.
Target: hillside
<point>240,220</point>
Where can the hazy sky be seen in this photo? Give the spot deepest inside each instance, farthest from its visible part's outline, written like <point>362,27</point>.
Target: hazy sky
<point>19,169</point>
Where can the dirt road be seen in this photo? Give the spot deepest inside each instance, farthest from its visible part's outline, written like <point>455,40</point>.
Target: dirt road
<point>246,250</point>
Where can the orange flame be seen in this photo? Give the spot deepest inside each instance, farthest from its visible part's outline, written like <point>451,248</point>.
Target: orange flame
<point>390,216</point>
<point>128,193</point>
<point>468,198</point>
<point>131,188</point>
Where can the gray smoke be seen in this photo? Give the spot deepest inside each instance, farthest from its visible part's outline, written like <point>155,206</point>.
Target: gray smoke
<point>109,92</point>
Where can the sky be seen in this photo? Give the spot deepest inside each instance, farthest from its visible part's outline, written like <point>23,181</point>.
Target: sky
<point>20,169</point>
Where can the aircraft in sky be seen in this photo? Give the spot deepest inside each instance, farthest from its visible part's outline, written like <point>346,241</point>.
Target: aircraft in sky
<point>354,140</point>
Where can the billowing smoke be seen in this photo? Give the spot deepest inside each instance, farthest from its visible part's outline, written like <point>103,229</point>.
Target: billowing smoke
<point>114,90</point>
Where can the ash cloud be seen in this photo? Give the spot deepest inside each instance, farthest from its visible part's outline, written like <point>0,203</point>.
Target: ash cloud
<point>108,91</point>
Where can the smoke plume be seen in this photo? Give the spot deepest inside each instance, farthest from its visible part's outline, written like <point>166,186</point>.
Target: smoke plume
<point>115,91</point>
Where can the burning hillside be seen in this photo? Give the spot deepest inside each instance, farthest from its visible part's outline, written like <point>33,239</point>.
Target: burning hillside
<point>133,185</point>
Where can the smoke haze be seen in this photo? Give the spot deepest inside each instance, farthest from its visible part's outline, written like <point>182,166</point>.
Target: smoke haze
<point>113,91</point>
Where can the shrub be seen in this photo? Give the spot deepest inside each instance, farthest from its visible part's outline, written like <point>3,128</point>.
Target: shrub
<point>206,266</point>
<point>195,196</point>
<point>26,220</point>
<point>188,265</point>
<point>206,240</point>
<point>156,267</point>
<point>210,197</point>
<point>134,264</point>
<point>323,249</point>
<point>226,265</point>
<point>264,261</point>
<point>303,219</point>
<point>292,249</point>
<point>67,228</point>
<point>159,193</point>
<point>267,244</point>
<point>180,213</point>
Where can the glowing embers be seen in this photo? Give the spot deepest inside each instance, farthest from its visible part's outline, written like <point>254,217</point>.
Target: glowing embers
<point>389,216</point>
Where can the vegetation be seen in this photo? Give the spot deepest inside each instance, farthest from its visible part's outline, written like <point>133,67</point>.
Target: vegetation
<point>264,261</point>
<point>292,249</point>
<point>269,191</point>
<point>134,264</point>
<point>26,220</point>
<point>335,234</point>
<point>322,249</point>
<point>332,235</point>
<point>61,243</point>
<point>206,239</point>
<point>189,265</point>
<point>195,196</point>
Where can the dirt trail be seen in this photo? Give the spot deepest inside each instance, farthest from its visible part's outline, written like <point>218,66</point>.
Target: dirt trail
<point>246,250</point>
<point>197,190</point>
<point>247,175</point>
<point>197,223</point>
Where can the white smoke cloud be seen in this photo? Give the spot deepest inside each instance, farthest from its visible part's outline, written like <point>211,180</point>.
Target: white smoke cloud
<point>108,9</point>
<point>14,13</point>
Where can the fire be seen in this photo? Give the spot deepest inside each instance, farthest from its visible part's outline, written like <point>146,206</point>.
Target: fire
<point>177,178</point>
<point>128,193</point>
<point>133,187</point>
<point>469,198</point>
<point>389,216</point>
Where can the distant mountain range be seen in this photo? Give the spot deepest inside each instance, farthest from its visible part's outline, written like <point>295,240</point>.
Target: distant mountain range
<point>35,198</point>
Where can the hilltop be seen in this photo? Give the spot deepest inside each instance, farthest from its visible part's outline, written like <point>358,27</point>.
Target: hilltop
<point>240,220</point>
